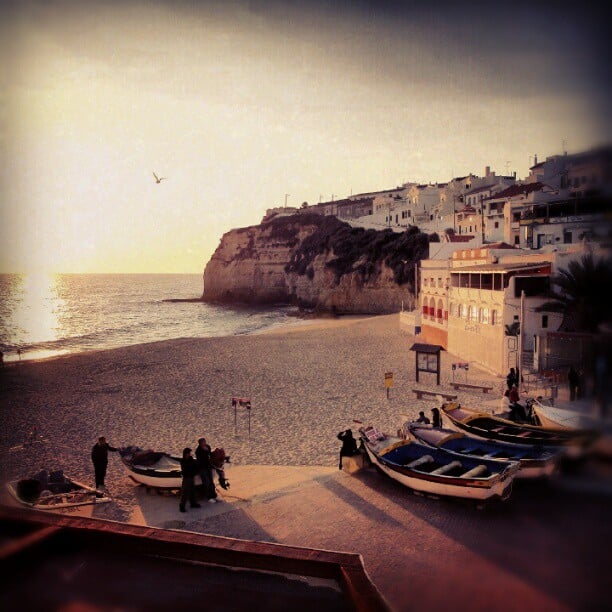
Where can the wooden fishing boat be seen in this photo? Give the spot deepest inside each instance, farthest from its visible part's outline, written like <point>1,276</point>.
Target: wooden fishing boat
<point>153,469</point>
<point>534,461</point>
<point>436,471</point>
<point>556,417</point>
<point>485,425</point>
<point>54,491</point>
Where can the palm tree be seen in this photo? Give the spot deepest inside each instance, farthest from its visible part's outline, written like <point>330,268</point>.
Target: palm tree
<point>578,294</point>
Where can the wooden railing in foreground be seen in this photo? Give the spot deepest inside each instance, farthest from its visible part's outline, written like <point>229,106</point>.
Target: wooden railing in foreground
<point>346,569</point>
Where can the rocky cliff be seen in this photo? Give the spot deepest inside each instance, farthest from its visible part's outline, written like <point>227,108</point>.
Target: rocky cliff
<point>316,262</point>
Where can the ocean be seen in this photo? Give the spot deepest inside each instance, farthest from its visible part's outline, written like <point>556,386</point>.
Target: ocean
<point>45,315</point>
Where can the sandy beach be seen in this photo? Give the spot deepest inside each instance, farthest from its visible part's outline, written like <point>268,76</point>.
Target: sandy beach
<point>306,382</point>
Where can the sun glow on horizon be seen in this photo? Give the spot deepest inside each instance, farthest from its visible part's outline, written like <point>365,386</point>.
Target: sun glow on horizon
<point>238,105</point>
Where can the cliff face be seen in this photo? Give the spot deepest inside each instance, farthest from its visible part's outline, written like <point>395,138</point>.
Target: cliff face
<point>310,261</point>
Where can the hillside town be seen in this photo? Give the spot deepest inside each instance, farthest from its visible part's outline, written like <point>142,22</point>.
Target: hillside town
<point>495,242</point>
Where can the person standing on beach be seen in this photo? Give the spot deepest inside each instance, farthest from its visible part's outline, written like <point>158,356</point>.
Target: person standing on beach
<point>205,468</point>
<point>189,470</point>
<point>436,418</point>
<point>99,457</point>
<point>511,379</point>
<point>349,445</point>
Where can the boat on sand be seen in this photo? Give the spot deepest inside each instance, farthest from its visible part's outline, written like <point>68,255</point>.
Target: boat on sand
<point>436,471</point>
<point>54,491</point>
<point>534,461</point>
<point>153,469</point>
<point>485,425</point>
<point>162,471</point>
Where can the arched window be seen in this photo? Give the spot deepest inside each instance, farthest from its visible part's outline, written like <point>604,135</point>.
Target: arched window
<point>464,311</point>
<point>432,308</point>
<point>485,316</point>
<point>494,317</point>
<point>439,313</point>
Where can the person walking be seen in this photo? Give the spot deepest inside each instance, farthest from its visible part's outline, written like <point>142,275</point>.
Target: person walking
<point>99,457</point>
<point>189,470</point>
<point>205,469</point>
<point>349,445</point>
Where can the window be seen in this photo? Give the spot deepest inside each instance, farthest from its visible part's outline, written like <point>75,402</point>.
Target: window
<point>567,237</point>
<point>463,311</point>
<point>439,281</point>
<point>516,240</point>
<point>425,281</point>
<point>485,316</point>
<point>474,314</point>
<point>544,321</point>
<point>494,317</point>
<point>496,224</point>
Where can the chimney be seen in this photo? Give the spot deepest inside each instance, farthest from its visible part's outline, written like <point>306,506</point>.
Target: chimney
<point>487,171</point>
<point>535,159</point>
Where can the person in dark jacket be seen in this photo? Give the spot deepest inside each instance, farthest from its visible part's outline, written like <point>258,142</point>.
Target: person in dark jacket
<point>189,470</point>
<point>349,445</point>
<point>512,378</point>
<point>205,469</point>
<point>574,383</point>
<point>99,457</point>
<point>436,419</point>
<point>423,419</point>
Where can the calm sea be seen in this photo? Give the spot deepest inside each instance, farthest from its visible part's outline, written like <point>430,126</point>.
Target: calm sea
<point>46,315</point>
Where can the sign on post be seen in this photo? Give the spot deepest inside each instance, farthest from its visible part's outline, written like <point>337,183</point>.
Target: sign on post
<point>243,402</point>
<point>388,382</point>
<point>461,366</point>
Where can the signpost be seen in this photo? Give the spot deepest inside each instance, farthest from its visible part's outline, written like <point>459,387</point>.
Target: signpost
<point>246,403</point>
<point>388,382</point>
<point>461,365</point>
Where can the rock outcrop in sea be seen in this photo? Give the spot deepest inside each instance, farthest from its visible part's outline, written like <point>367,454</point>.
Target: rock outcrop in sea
<point>316,262</point>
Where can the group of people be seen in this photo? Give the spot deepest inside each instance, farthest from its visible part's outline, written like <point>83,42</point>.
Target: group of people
<point>204,464</point>
<point>436,418</point>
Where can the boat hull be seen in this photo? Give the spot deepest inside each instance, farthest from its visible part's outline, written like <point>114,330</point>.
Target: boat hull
<point>488,427</point>
<point>81,495</point>
<point>163,473</point>
<point>455,442</point>
<point>436,472</point>
<point>500,490</point>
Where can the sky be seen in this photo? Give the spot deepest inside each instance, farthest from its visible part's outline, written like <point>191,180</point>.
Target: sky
<point>244,106</point>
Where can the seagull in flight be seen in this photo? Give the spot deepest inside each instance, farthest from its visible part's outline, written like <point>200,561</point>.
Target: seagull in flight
<point>158,179</point>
